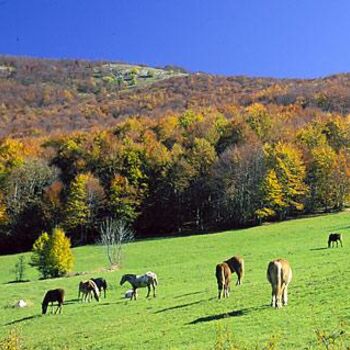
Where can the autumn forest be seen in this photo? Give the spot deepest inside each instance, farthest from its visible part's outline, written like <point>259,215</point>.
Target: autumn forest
<point>168,151</point>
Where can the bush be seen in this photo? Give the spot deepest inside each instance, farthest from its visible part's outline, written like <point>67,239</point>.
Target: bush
<point>52,255</point>
<point>19,269</point>
<point>13,341</point>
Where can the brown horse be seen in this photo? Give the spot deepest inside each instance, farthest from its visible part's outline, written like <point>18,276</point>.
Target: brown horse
<point>223,277</point>
<point>236,264</point>
<point>52,296</point>
<point>87,289</point>
<point>224,273</point>
<point>279,274</point>
<point>335,237</point>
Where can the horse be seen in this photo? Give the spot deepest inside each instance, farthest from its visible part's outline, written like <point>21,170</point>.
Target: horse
<point>279,274</point>
<point>138,281</point>
<point>87,289</point>
<point>224,272</point>
<point>236,264</point>
<point>101,283</point>
<point>223,277</point>
<point>50,297</point>
<point>335,237</point>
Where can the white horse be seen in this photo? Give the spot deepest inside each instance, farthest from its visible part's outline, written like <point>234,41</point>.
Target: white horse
<point>139,281</point>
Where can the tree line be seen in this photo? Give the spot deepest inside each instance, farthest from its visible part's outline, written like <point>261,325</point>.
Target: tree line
<point>195,171</point>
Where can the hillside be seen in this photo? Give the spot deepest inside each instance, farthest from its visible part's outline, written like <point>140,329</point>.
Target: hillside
<point>186,313</point>
<point>38,96</point>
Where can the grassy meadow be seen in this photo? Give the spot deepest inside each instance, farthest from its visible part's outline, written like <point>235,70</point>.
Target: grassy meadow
<point>186,313</point>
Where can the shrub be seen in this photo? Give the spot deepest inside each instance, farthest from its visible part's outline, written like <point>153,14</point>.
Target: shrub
<point>52,255</point>
<point>13,341</point>
<point>19,269</point>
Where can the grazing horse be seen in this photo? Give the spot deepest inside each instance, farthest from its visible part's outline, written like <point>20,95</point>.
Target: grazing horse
<point>334,237</point>
<point>87,289</point>
<point>279,274</point>
<point>101,283</point>
<point>138,281</point>
<point>236,264</point>
<point>50,297</point>
<point>223,278</point>
<point>224,272</point>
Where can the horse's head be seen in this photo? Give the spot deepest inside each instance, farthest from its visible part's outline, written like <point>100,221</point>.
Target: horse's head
<point>123,280</point>
<point>44,308</point>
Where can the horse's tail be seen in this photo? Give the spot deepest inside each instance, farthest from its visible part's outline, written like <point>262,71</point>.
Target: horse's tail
<point>274,276</point>
<point>220,276</point>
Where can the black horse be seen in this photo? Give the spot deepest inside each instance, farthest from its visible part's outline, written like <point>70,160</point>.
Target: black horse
<point>334,237</point>
<point>50,297</point>
<point>101,283</point>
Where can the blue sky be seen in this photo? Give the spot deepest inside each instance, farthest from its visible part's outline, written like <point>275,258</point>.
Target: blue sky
<point>280,38</point>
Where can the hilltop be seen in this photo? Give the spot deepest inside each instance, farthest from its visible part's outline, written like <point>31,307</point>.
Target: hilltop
<point>40,96</point>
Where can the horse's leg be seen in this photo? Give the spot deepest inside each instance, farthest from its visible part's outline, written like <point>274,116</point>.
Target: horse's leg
<point>341,243</point>
<point>273,297</point>
<point>219,292</point>
<point>285,295</point>
<point>148,290</point>
<point>154,289</point>
<point>134,294</point>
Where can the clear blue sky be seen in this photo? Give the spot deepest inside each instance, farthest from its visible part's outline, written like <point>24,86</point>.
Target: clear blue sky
<point>281,38</point>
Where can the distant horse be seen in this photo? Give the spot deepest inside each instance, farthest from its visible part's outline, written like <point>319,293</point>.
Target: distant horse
<point>52,296</point>
<point>279,274</point>
<point>88,289</point>
<point>236,264</point>
<point>138,281</point>
<point>101,284</point>
<point>224,272</point>
<point>223,277</point>
<point>334,237</point>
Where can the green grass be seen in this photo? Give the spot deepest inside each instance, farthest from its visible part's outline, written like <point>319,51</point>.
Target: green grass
<point>186,313</point>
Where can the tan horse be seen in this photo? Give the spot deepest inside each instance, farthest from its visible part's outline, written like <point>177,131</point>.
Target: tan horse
<point>279,274</point>
<point>224,274</point>
<point>88,289</point>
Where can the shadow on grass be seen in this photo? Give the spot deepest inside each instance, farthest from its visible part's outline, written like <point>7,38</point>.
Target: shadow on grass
<point>323,248</point>
<point>22,320</point>
<point>235,313</point>
<point>179,306</point>
<point>12,282</point>
<point>187,294</point>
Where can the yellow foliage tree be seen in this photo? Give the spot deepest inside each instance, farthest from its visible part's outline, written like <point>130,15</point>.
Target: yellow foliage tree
<point>52,255</point>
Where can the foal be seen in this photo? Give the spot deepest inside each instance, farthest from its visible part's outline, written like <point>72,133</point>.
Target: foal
<point>50,297</point>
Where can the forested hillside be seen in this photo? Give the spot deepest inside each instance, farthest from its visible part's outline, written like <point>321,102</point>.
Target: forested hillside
<point>38,96</point>
<point>167,151</point>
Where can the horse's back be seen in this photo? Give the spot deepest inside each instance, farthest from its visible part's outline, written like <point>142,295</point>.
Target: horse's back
<point>279,270</point>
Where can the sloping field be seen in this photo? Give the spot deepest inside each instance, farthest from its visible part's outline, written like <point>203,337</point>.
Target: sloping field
<point>186,313</point>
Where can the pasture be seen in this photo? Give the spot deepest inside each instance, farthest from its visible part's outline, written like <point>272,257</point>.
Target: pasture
<point>186,313</point>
